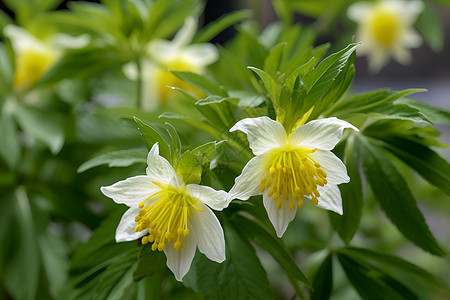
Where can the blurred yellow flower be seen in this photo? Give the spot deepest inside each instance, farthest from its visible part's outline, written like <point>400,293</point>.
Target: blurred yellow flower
<point>34,57</point>
<point>164,56</point>
<point>386,30</point>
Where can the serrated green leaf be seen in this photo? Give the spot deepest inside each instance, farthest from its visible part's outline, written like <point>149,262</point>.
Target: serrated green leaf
<point>240,276</point>
<point>10,148</point>
<point>347,224</point>
<point>323,280</point>
<point>319,80</point>
<point>175,144</point>
<point>149,263</point>
<point>396,262</point>
<point>121,158</point>
<point>395,198</point>
<point>269,83</point>
<point>152,136</point>
<point>44,126</point>
<point>201,82</point>
<point>267,241</point>
<point>426,162</point>
<point>217,26</point>
<point>433,113</point>
<point>371,283</point>
<point>273,60</point>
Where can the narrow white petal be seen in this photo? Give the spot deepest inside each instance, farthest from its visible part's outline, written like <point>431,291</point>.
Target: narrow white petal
<point>358,11</point>
<point>160,170</point>
<point>125,231</point>
<point>402,55</point>
<point>200,55</point>
<point>410,10</point>
<point>411,39</point>
<point>186,33</point>
<point>263,133</point>
<point>22,40</point>
<point>65,41</point>
<point>215,199</point>
<point>179,261</point>
<point>321,134</point>
<point>163,50</point>
<point>247,184</point>
<point>131,191</point>
<point>130,70</point>
<point>332,165</point>
<point>280,218</point>
<point>330,198</point>
<point>377,59</point>
<point>151,87</point>
<point>209,234</point>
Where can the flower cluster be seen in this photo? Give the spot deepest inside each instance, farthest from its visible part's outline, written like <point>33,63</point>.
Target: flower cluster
<point>286,169</point>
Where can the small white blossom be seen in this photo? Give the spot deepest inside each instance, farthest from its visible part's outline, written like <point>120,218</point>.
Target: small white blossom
<point>176,55</point>
<point>173,216</point>
<point>288,168</point>
<point>34,57</point>
<point>386,30</point>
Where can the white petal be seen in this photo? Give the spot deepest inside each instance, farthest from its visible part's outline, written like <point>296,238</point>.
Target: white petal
<point>410,10</point>
<point>247,184</point>
<point>263,133</point>
<point>215,199</point>
<point>402,55</point>
<point>332,165</point>
<point>280,218</point>
<point>209,234</point>
<point>131,71</point>
<point>131,191</point>
<point>321,134</point>
<point>358,11</point>
<point>22,40</point>
<point>330,198</point>
<point>163,50</point>
<point>160,170</point>
<point>179,261</point>
<point>200,55</point>
<point>65,41</point>
<point>125,231</point>
<point>377,59</point>
<point>186,33</point>
<point>411,39</point>
<point>151,87</point>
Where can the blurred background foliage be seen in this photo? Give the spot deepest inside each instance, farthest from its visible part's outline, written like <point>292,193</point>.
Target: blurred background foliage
<point>73,130</point>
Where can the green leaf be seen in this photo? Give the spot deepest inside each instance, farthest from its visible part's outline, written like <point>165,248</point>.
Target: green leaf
<point>323,280</point>
<point>395,198</point>
<point>433,113</point>
<point>267,241</point>
<point>175,144</point>
<point>319,80</point>
<point>44,126</point>
<point>431,28</point>
<point>152,136</point>
<point>217,26</point>
<point>240,276</point>
<point>203,126</point>
<point>247,99</point>
<point>371,283</point>
<point>121,158</point>
<point>149,263</point>
<point>10,148</point>
<point>426,162</point>
<point>273,60</point>
<point>269,84</point>
<point>191,163</point>
<point>347,224</point>
<point>219,110</point>
<point>395,262</point>
<point>201,82</point>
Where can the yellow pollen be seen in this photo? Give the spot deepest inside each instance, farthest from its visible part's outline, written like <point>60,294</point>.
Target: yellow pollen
<point>385,26</point>
<point>292,174</point>
<point>166,218</point>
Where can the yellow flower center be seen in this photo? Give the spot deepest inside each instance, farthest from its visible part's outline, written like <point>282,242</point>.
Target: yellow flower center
<point>165,78</point>
<point>31,64</point>
<point>385,26</point>
<point>292,174</point>
<point>167,217</point>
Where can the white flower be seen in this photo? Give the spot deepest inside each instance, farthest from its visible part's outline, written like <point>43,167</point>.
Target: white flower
<point>173,216</point>
<point>33,57</point>
<point>176,55</point>
<point>288,168</point>
<point>386,29</point>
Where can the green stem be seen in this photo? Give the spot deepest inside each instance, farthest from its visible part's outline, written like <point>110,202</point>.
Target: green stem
<point>139,84</point>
